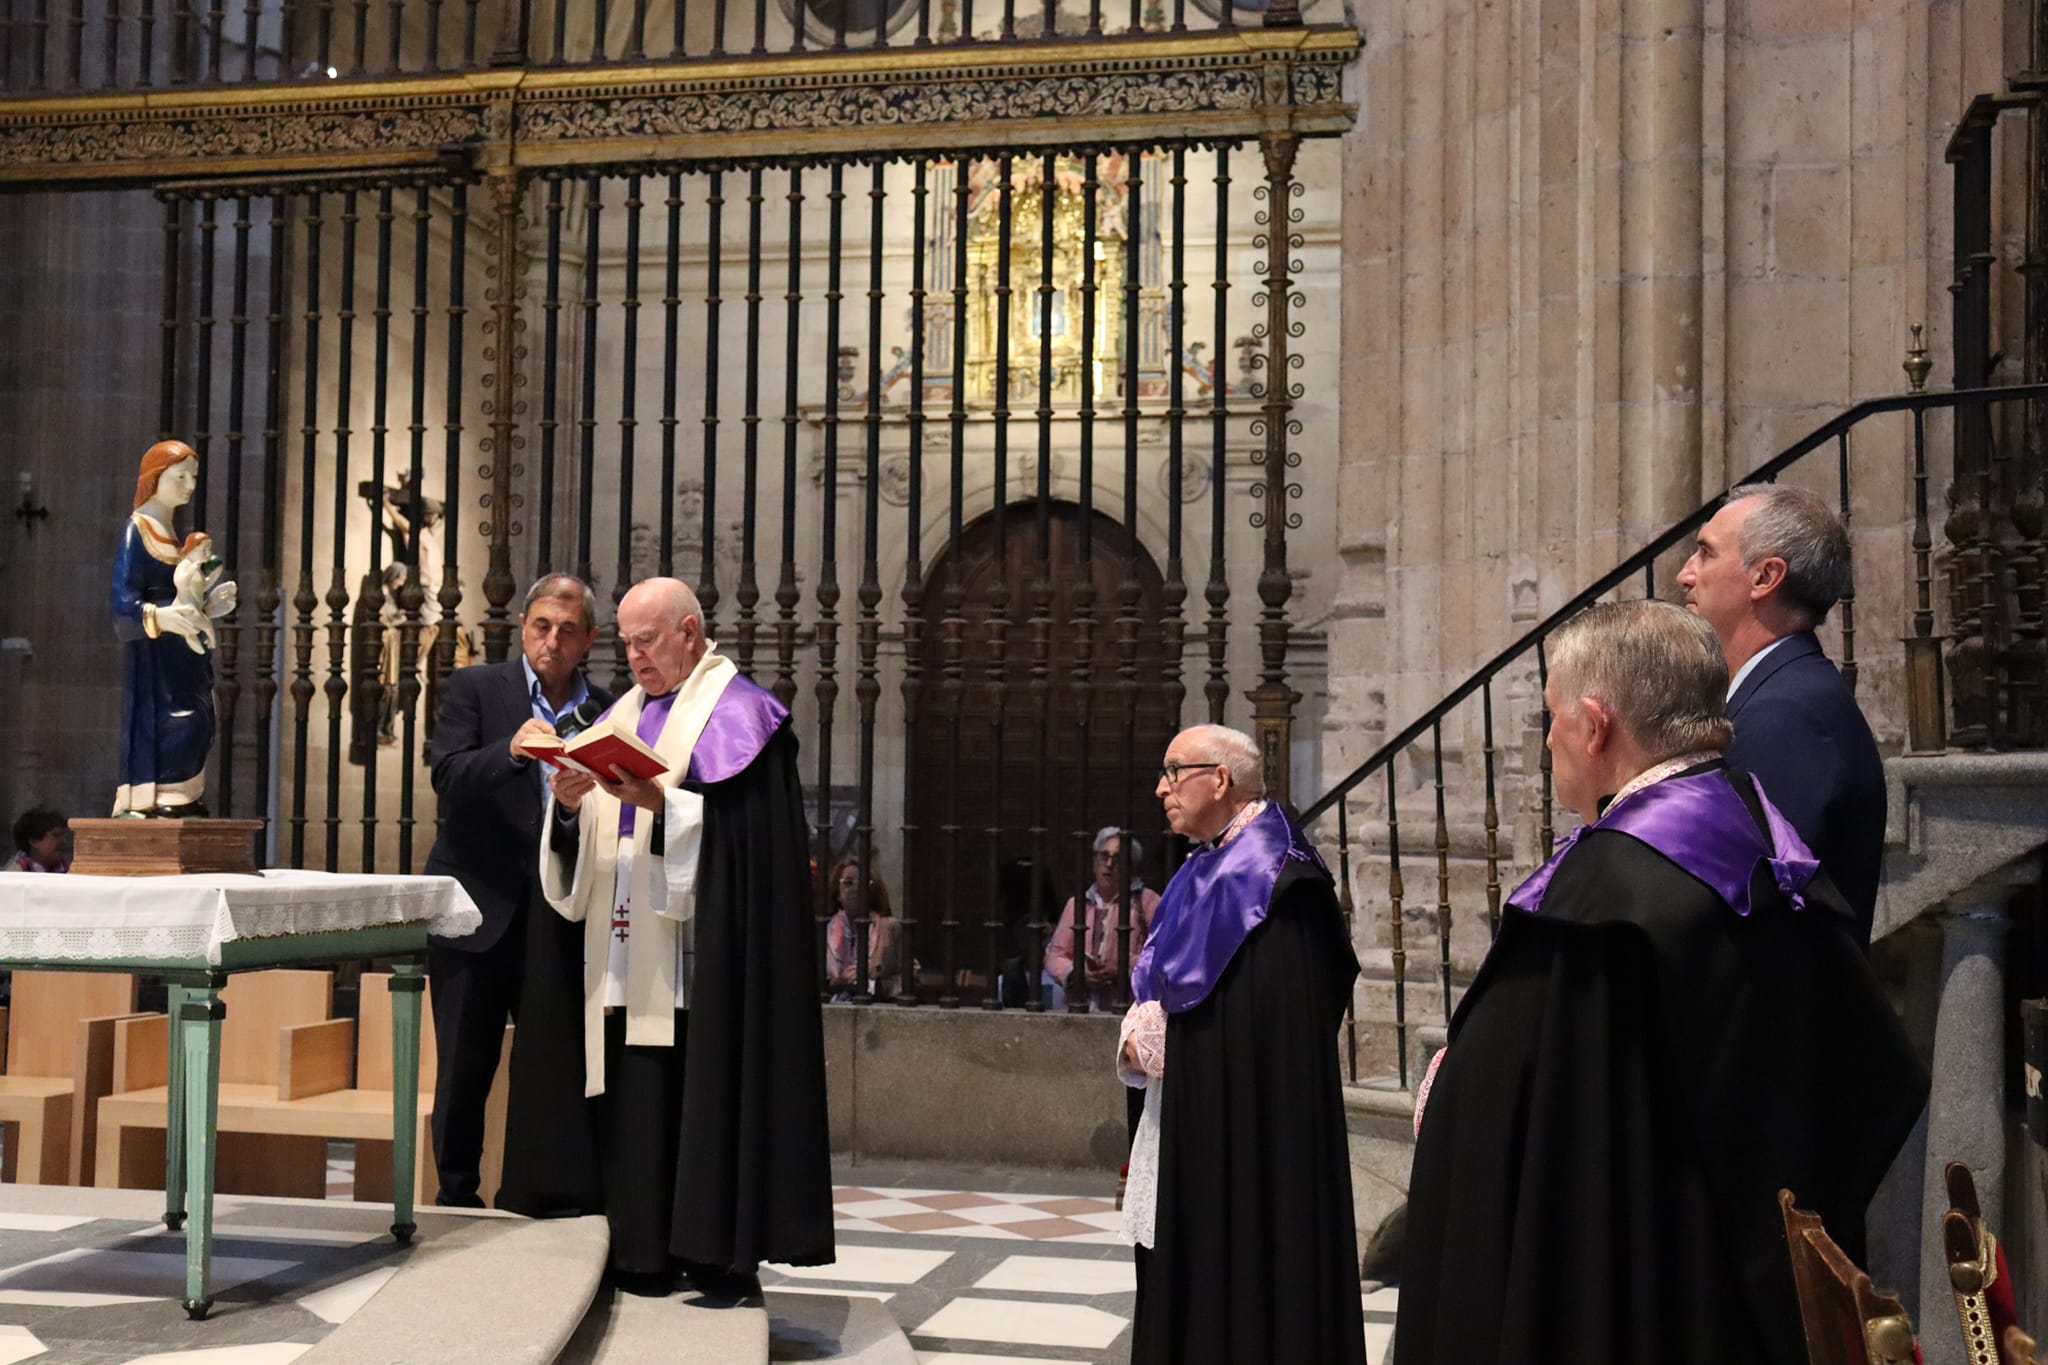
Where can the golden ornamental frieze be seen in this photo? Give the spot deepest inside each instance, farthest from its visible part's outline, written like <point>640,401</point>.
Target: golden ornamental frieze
<point>902,105</point>
<point>312,139</point>
<point>1232,85</point>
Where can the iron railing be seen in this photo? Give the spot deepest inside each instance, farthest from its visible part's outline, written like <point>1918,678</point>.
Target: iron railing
<point>70,46</point>
<point>945,502</point>
<point>1994,590</point>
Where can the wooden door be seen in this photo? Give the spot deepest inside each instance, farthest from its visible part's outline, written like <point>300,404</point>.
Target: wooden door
<point>1002,868</point>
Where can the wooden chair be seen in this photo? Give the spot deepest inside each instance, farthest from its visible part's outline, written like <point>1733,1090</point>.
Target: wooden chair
<point>59,1062</point>
<point>1848,1321</point>
<point>256,1153</point>
<point>373,1068</point>
<point>324,1078</point>
<point>1977,1270</point>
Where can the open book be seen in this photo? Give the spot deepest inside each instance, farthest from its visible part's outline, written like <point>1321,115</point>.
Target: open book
<point>604,746</point>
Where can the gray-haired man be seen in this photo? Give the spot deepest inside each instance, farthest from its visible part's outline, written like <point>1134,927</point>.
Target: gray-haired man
<point>489,840</point>
<point>1669,1029</point>
<point>1765,573</point>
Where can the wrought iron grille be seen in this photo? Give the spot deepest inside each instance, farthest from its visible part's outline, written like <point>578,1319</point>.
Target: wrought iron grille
<point>939,441</point>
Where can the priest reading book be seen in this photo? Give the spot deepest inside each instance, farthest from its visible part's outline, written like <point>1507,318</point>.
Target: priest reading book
<point>603,747</point>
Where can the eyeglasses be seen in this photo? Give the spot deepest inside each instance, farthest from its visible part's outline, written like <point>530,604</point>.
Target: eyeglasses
<point>1172,773</point>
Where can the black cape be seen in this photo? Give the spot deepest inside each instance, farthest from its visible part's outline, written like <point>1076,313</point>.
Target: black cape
<point>754,1176</point>
<point>1634,1074</point>
<point>1254,1260</point>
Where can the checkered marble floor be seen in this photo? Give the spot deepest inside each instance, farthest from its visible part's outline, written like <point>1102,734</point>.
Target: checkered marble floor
<point>1073,1220</point>
<point>948,1266</point>
<point>103,1287</point>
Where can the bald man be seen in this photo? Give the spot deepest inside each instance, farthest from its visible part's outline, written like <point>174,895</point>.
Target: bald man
<point>1239,1201</point>
<point>683,1093</point>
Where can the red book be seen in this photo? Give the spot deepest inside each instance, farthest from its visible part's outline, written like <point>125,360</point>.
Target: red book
<point>598,750</point>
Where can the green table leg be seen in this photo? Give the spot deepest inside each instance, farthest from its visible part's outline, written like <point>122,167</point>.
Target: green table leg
<point>199,1016</point>
<point>408,980</point>
<point>174,1118</point>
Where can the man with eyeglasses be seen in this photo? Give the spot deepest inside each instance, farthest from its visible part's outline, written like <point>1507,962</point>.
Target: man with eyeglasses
<point>688,1105</point>
<point>1239,1201</point>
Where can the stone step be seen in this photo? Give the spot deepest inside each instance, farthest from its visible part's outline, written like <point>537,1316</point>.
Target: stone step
<point>1374,1016</point>
<point>682,1329</point>
<point>851,1329</point>
<point>487,1294</point>
<point>1471,932</point>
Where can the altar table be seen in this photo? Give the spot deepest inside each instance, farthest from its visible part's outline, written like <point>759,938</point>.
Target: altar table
<point>196,931</point>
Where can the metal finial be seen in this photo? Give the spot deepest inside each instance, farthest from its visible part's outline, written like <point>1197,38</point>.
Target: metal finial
<point>1917,365</point>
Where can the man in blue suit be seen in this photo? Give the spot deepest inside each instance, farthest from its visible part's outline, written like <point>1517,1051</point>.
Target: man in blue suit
<point>491,796</point>
<point>1766,571</point>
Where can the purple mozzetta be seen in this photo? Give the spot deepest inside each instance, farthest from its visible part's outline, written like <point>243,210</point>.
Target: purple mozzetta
<point>1212,905</point>
<point>745,719</point>
<point>1700,823</point>
<point>742,722</point>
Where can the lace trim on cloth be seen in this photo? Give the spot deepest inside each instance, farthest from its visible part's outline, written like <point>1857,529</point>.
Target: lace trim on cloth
<point>1141,1188</point>
<point>1670,767</point>
<point>1145,1028</point>
<point>1422,1091</point>
<point>103,918</point>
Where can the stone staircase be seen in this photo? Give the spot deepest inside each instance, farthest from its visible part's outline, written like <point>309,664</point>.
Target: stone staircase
<point>626,1329</point>
<point>781,1324</point>
<point>509,1292</point>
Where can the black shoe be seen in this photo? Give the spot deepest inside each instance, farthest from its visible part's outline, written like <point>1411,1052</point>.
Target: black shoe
<point>646,1284</point>
<point>721,1285</point>
<point>444,1199</point>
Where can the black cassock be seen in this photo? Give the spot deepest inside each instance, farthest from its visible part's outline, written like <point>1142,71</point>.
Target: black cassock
<point>716,1149</point>
<point>1633,1075</point>
<point>1254,1260</point>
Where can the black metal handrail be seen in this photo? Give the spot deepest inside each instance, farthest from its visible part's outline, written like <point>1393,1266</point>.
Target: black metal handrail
<point>1642,563</point>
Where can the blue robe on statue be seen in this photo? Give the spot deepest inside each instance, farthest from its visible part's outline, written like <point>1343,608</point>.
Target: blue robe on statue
<point>166,686</point>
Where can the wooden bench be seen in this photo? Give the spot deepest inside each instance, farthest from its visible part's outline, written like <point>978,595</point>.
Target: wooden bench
<point>253,1156</point>
<point>327,1078</point>
<point>59,1062</point>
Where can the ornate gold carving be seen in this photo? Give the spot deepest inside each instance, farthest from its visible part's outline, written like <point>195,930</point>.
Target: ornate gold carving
<point>1235,84</point>
<point>908,103</point>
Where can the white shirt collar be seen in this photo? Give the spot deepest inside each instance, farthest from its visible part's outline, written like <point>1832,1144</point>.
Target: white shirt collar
<point>1749,666</point>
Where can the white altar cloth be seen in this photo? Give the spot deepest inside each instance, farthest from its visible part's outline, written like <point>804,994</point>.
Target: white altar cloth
<point>68,917</point>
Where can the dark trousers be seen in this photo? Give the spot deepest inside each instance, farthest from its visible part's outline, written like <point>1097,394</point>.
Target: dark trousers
<point>639,1121</point>
<point>473,995</point>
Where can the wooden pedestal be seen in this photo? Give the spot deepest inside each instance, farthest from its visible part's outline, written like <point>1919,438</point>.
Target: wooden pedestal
<point>152,848</point>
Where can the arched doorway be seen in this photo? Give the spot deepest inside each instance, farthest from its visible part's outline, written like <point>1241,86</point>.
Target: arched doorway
<point>986,873</point>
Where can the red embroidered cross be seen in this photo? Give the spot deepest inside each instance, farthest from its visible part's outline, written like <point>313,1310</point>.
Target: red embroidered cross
<point>622,925</point>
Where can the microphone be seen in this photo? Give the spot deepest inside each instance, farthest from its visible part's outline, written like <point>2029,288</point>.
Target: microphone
<point>580,719</point>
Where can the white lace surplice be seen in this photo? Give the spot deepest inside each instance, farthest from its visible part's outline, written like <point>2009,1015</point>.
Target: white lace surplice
<point>1145,1027</point>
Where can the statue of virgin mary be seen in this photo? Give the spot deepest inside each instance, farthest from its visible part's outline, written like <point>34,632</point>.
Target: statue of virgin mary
<point>166,595</point>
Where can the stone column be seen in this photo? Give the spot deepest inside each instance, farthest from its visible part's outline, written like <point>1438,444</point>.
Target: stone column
<point>1966,1111</point>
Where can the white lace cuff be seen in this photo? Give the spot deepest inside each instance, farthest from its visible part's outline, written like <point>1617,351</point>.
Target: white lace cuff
<point>1145,1029</point>
<point>1422,1090</point>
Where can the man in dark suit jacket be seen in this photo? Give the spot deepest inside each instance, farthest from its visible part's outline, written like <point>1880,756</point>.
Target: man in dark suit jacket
<point>1767,570</point>
<point>491,796</point>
